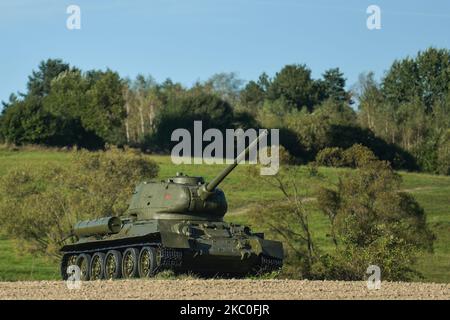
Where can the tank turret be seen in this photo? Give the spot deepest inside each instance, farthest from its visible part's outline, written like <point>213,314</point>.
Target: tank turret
<point>185,197</point>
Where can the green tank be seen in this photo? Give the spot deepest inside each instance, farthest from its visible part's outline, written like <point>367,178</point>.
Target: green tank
<point>175,224</point>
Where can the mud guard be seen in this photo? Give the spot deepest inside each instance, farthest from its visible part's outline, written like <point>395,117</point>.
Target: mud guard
<point>174,240</point>
<point>272,248</point>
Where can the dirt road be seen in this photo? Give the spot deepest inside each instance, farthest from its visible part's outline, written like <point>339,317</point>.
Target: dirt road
<point>221,289</point>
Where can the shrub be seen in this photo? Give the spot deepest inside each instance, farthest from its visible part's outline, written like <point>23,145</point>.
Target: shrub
<point>373,223</point>
<point>355,156</point>
<point>313,169</point>
<point>330,157</point>
<point>40,204</point>
<point>358,155</point>
<point>285,157</point>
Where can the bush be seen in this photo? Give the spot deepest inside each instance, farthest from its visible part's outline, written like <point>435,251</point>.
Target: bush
<point>358,155</point>
<point>313,169</point>
<point>353,157</point>
<point>330,157</point>
<point>285,157</point>
<point>40,205</point>
<point>373,223</point>
<point>345,136</point>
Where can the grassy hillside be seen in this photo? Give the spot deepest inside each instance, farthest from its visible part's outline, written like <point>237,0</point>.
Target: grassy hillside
<point>432,192</point>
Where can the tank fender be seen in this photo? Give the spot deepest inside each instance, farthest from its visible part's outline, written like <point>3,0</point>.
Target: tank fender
<point>173,240</point>
<point>268,248</point>
<point>170,238</point>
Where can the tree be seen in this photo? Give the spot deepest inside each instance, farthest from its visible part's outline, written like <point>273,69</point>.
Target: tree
<point>4,122</point>
<point>26,122</point>
<point>12,99</point>
<point>67,97</point>
<point>252,96</point>
<point>426,76</point>
<point>264,82</point>
<point>314,130</point>
<point>105,112</point>
<point>67,101</point>
<point>409,108</point>
<point>367,92</point>
<point>289,220</point>
<point>39,82</point>
<point>171,91</point>
<point>143,100</point>
<point>295,85</point>
<point>182,112</point>
<point>401,82</point>
<point>433,67</point>
<point>71,108</point>
<point>25,119</point>
<point>254,93</point>
<point>443,154</point>
<point>226,85</point>
<point>334,86</point>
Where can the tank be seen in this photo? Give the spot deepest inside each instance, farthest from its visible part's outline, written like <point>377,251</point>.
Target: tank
<point>175,224</point>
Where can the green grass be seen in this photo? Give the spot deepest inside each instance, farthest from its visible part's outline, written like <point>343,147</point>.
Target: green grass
<point>432,192</point>
<point>15,265</point>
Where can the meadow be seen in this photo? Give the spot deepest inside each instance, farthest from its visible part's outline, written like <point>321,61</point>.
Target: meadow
<point>243,195</point>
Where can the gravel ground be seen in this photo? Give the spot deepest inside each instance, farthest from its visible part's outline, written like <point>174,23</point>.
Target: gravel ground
<point>221,290</point>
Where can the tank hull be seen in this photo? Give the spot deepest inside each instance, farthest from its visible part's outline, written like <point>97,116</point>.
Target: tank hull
<point>205,248</point>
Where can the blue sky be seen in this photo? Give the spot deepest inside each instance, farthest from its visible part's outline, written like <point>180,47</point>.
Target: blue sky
<point>189,40</point>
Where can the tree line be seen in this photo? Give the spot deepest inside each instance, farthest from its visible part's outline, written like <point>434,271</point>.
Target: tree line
<point>404,118</point>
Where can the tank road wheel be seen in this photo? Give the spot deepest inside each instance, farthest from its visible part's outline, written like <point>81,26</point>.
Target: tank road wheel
<point>112,264</point>
<point>67,260</point>
<point>130,263</point>
<point>147,264</point>
<point>97,266</point>
<point>84,262</point>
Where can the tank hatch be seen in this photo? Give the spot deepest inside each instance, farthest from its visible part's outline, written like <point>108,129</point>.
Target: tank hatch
<point>181,178</point>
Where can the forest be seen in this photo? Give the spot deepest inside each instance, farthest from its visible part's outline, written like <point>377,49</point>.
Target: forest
<point>403,118</point>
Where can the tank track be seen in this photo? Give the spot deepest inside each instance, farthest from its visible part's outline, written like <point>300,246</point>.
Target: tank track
<point>170,258</point>
<point>269,264</point>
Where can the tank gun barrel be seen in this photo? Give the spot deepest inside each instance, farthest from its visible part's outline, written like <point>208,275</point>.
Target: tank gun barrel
<point>208,188</point>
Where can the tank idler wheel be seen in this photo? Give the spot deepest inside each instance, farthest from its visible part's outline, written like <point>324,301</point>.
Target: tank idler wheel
<point>147,264</point>
<point>112,265</point>
<point>84,263</point>
<point>130,263</point>
<point>97,271</point>
<point>72,260</point>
